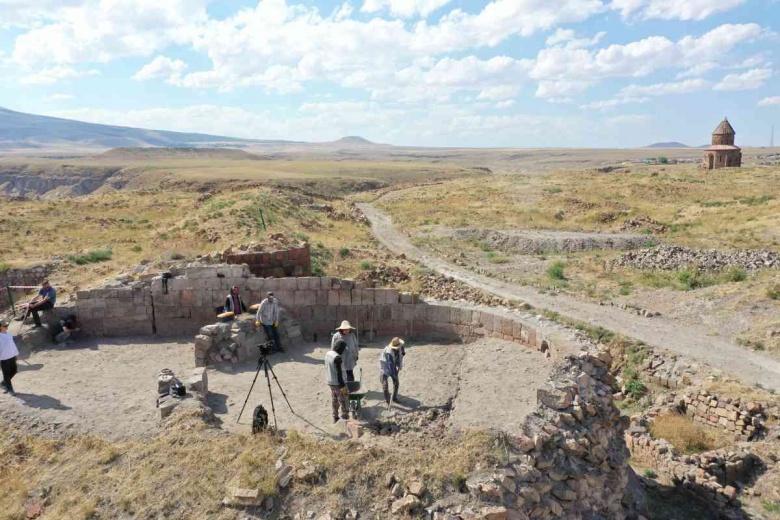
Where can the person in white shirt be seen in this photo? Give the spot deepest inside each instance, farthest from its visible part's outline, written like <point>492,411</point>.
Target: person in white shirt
<point>8,353</point>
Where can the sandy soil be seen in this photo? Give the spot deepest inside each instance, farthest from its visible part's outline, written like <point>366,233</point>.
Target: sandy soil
<point>108,387</point>
<point>688,338</point>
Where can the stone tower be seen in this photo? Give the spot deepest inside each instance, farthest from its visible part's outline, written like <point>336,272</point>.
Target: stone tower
<point>722,153</point>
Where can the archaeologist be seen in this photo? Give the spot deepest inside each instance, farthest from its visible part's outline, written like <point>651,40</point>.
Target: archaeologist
<point>336,377</point>
<point>8,353</point>
<point>64,328</point>
<point>346,333</point>
<point>234,303</point>
<point>44,301</point>
<point>390,362</point>
<point>269,315</point>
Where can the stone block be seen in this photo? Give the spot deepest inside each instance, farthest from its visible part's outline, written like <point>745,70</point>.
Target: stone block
<point>198,381</point>
<point>367,297</point>
<point>405,297</point>
<point>167,406</point>
<point>345,297</point>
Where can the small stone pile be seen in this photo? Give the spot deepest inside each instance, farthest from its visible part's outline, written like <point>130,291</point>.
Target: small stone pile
<point>431,422</point>
<point>382,276</point>
<point>668,258</point>
<point>644,223</point>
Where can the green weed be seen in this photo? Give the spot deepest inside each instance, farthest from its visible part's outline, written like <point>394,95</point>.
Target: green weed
<point>91,257</point>
<point>557,271</point>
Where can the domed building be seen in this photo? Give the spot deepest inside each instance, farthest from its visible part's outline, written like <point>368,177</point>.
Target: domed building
<point>722,153</point>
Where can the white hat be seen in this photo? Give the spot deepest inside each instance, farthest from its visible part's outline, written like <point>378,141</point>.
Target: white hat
<point>345,325</point>
<point>396,343</point>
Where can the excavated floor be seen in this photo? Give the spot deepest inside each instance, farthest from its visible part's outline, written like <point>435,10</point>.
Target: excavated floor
<point>108,387</point>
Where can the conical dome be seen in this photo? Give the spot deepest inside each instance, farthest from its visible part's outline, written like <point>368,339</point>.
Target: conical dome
<point>724,128</point>
<point>724,134</point>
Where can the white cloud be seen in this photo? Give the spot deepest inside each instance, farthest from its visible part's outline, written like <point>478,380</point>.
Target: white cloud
<point>698,70</point>
<point>614,102</point>
<point>767,101</point>
<point>54,74</point>
<point>663,89</point>
<point>102,30</point>
<point>499,92</point>
<point>673,9</point>
<point>161,67</point>
<point>59,97</point>
<point>750,80</point>
<point>628,119</point>
<point>560,64</point>
<point>506,104</point>
<point>23,13</point>
<point>560,91</point>
<point>569,37</point>
<point>404,8</point>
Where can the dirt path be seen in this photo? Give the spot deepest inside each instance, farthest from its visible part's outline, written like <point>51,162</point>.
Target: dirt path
<point>688,339</point>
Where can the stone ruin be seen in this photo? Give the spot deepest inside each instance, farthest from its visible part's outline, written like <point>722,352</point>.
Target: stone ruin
<point>237,341</point>
<point>196,385</point>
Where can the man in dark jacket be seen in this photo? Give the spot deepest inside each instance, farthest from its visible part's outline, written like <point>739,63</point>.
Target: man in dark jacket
<point>234,303</point>
<point>336,377</point>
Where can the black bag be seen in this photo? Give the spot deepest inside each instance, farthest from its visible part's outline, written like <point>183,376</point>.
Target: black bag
<point>177,388</point>
<point>259,419</point>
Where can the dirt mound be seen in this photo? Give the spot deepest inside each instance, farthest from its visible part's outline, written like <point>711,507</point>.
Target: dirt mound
<point>534,242</point>
<point>676,257</point>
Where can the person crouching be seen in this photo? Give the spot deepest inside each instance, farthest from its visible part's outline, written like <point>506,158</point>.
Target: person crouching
<point>390,362</point>
<point>336,377</point>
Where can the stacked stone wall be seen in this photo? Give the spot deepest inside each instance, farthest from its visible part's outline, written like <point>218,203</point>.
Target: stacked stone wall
<point>275,264</point>
<point>743,419</point>
<point>191,299</point>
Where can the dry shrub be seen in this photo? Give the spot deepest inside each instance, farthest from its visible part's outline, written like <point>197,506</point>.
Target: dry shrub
<point>686,435</point>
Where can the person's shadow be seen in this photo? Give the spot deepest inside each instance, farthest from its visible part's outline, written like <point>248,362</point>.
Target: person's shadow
<point>25,367</point>
<point>42,402</point>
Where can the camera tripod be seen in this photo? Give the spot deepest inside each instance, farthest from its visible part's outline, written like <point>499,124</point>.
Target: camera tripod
<point>265,365</point>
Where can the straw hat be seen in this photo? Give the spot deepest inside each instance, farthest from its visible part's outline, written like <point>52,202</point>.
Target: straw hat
<point>396,343</point>
<point>345,325</point>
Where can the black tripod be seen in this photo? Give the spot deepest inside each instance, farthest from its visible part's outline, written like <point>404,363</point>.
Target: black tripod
<point>266,366</point>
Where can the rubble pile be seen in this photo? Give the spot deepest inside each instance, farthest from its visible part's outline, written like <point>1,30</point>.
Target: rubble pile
<point>431,422</point>
<point>440,287</point>
<point>669,258</point>
<point>644,223</point>
<point>382,276</point>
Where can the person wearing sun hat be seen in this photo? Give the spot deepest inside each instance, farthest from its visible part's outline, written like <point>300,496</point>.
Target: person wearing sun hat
<point>346,333</point>
<point>390,363</point>
<point>8,353</point>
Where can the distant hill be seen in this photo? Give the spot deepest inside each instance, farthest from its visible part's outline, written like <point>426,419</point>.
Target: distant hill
<point>671,144</point>
<point>20,130</point>
<point>354,140</point>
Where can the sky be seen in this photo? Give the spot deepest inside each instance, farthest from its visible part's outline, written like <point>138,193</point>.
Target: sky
<point>504,73</point>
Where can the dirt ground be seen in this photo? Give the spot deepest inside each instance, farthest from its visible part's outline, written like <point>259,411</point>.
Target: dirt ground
<point>108,387</point>
<point>688,338</point>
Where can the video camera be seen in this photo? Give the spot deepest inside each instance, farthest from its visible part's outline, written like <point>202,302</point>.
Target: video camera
<point>265,348</point>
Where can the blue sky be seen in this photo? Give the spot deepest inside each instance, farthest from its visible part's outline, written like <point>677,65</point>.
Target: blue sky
<point>510,73</point>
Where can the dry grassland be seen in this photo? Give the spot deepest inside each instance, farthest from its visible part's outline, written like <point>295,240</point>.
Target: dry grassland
<point>157,227</point>
<point>186,470</point>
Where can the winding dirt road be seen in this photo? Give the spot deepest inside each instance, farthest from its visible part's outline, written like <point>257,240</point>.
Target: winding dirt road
<point>686,339</point>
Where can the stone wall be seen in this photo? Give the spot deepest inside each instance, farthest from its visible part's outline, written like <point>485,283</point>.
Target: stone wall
<point>569,460</point>
<point>711,476</point>
<point>319,303</point>
<point>275,264</point>
<point>744,419</point>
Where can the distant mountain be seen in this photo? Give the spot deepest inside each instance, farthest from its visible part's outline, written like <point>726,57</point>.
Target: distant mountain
<point>20,130</point>
<point>671,144</point>
<point>354,140</point>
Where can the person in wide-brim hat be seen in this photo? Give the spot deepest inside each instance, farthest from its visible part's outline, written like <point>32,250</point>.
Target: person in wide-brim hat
<point>390,363</point>
<point>345,332</point>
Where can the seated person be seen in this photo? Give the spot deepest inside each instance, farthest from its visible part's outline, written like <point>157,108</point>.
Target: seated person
<point>45,300</point>
<point>64,328</point>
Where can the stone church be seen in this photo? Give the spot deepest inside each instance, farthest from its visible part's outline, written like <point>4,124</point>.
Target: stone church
<point>722,153</point>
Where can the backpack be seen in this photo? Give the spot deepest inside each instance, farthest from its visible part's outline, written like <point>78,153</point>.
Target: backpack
<point>259,419</point>
<point>177,388</point>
